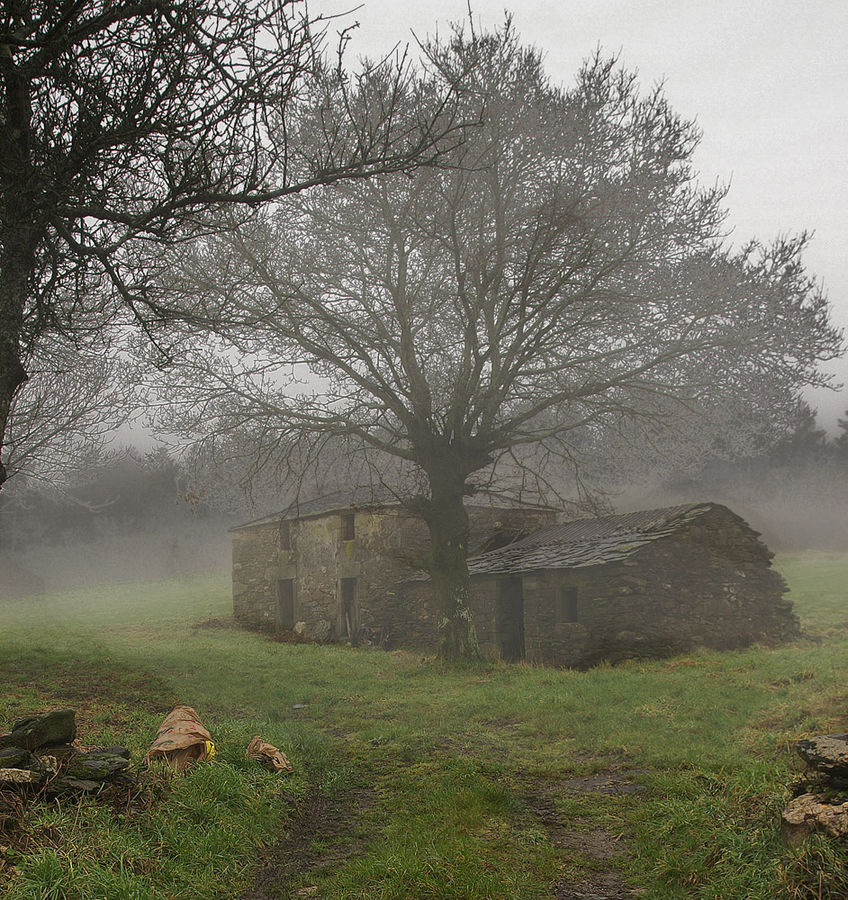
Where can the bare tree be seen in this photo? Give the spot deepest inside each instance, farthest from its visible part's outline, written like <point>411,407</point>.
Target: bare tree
<point>123,123</point>
<point>73,400</point>
<point>567,274</point>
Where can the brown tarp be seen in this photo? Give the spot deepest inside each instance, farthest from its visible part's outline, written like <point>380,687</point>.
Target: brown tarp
<point>268,755</point>
<point>181,739</point>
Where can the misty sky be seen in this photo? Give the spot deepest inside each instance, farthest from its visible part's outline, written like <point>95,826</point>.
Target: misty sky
<point>766,81</point>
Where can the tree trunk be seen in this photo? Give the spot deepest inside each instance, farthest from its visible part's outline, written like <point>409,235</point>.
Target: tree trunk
<point>18,232</point>
<point>447,564</point>
<point>12,373</point>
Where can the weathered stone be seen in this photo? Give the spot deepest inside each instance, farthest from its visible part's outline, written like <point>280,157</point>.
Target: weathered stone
<point>387,539</point>
<point>816,783</point>
<point>809,813</point>
<point>98,766</point>
<point>18,758</point>
<point>57,727</point>
<point>826,753</point>
<point>117,750</point>
<point>706,582</point>
<point>21,776</point>
<point>68,784</point>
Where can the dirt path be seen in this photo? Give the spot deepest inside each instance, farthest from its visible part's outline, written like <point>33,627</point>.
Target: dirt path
<point>588,876</point>
<point>322,833</point>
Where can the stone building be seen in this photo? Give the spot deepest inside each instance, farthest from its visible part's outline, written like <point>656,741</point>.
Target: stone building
<point>335,566</point>
<point>648,583</point>
<point>643,584</point>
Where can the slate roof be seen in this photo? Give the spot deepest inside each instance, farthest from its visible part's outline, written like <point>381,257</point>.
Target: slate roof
<point>366,497</point>
<point>586,542</point>
<point>350,498</point>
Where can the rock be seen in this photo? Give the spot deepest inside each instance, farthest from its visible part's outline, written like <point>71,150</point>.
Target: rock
<point>827,753</point>
<point>57,727</point>
<point>68,784</point>
<point>50,763</point>
<point>18,758</point>
<point>322,632</point>
<point>21,776</point>
<point>809,813</point>
<point>111,751</point>
<point>98,765</point>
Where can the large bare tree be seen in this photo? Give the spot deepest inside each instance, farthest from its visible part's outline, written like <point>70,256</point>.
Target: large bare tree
<point>565,275</point>
<point>123,123</point>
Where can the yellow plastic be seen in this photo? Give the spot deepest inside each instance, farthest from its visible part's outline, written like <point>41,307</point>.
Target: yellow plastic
<point>210,751</point>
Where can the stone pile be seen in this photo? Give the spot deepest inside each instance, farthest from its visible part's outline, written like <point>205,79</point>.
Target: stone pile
<point>821,797</point>
<point>39,753</point>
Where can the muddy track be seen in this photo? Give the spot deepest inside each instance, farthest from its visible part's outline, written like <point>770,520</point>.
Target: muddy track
<point>595,880</point>
<point>321,833</point>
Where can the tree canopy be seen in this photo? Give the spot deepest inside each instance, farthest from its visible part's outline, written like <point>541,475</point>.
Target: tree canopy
<point>565,273</point>
<point>125,124</point>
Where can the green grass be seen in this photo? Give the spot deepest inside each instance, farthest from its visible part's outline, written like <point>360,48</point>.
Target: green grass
<point>447,766</point>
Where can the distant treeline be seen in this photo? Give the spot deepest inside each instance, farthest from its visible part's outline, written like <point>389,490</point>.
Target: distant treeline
<point>129,516</point>
<point>126,491</point>
<point>795,491</point>
<point>134,515</point>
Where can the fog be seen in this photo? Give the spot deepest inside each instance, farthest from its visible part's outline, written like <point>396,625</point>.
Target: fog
<point>767,113</point>
<point>65,564</point>
<point>54,541</point>
<point>130,518</point>
<point>792,511</point>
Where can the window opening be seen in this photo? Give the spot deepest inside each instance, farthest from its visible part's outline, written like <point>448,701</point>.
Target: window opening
<point>285,535</point>
<point>567,604</point>
<point>348,527</point>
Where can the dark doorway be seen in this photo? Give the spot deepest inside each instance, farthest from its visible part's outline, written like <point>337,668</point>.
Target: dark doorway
<point>509,624</point>
<point>350,608</point>
<point>285,604</point>
<point>566,605</point>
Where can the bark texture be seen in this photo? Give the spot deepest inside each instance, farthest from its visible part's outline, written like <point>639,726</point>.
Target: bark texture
<point>446,562</point>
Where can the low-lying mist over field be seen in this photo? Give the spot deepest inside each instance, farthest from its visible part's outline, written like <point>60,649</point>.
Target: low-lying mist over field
<point>128,519</point>
<point>441,417</point>
<point>135,519</point>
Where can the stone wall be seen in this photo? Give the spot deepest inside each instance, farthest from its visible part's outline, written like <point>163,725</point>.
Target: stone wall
<point>388,546</point>
<point>671,597</point>
<point>255,570</point>
<point>316,561</point>
<point>710,585</point>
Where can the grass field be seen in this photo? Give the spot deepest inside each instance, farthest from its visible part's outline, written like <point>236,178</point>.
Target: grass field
<point>416,781</point>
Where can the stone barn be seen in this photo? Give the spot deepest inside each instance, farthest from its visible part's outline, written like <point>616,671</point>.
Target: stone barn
<point>333,568</point>
<point>643,584</point>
